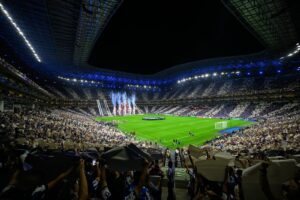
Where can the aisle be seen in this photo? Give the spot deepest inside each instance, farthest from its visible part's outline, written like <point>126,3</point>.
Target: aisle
<point>177,162</point>
<point>181,194</point>
<point>181,179</point>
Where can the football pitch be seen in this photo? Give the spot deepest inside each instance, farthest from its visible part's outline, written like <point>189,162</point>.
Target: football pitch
<point>172,127</point>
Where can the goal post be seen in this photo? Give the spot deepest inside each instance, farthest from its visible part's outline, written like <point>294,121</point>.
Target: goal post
<point>221,125</point>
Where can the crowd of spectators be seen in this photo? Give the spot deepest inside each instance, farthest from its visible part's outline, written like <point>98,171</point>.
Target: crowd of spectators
<point>233,183</point>
<point>277,133</point>
<point>28,173</point>
<point>50,155</point>
<point>222,87</point>
<point>62,129</point>
<point>56,155</point>
<point>248,110</point>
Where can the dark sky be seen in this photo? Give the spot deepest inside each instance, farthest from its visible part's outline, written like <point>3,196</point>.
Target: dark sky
<point>147,36</point>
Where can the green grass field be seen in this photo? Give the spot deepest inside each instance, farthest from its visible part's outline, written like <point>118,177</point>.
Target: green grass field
<point>173,127</point>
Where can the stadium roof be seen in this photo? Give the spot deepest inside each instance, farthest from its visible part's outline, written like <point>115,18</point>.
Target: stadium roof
<point>54,34</point>
<point>57,36</point>
<point>272,22</point>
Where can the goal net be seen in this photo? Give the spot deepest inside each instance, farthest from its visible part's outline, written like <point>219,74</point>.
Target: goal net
<point>221,125</point>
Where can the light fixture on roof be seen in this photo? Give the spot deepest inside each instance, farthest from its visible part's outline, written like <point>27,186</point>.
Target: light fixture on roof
<point>20,32</point>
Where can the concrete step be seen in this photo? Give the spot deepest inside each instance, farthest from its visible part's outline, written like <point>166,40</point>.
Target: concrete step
<point>180,193</point>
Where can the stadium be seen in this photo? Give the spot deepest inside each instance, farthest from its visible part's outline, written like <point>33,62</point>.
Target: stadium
<point>128,99</point>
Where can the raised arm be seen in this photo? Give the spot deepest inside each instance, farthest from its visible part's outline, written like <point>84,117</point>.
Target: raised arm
<point>83,191</point>
<point>105,193</point>
<point>98,172</point>
<point>103,177</point>
<point>191,160</point>
<point>142,180</point>
<point>61,176</point>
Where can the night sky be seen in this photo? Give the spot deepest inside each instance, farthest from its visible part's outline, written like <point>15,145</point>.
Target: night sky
<point>147,36</point>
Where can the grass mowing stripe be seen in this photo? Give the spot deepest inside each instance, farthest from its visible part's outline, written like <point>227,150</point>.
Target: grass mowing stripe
<point>173,127</point>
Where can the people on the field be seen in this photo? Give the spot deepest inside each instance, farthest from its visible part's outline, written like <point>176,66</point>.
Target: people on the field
<point>191,133</point>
